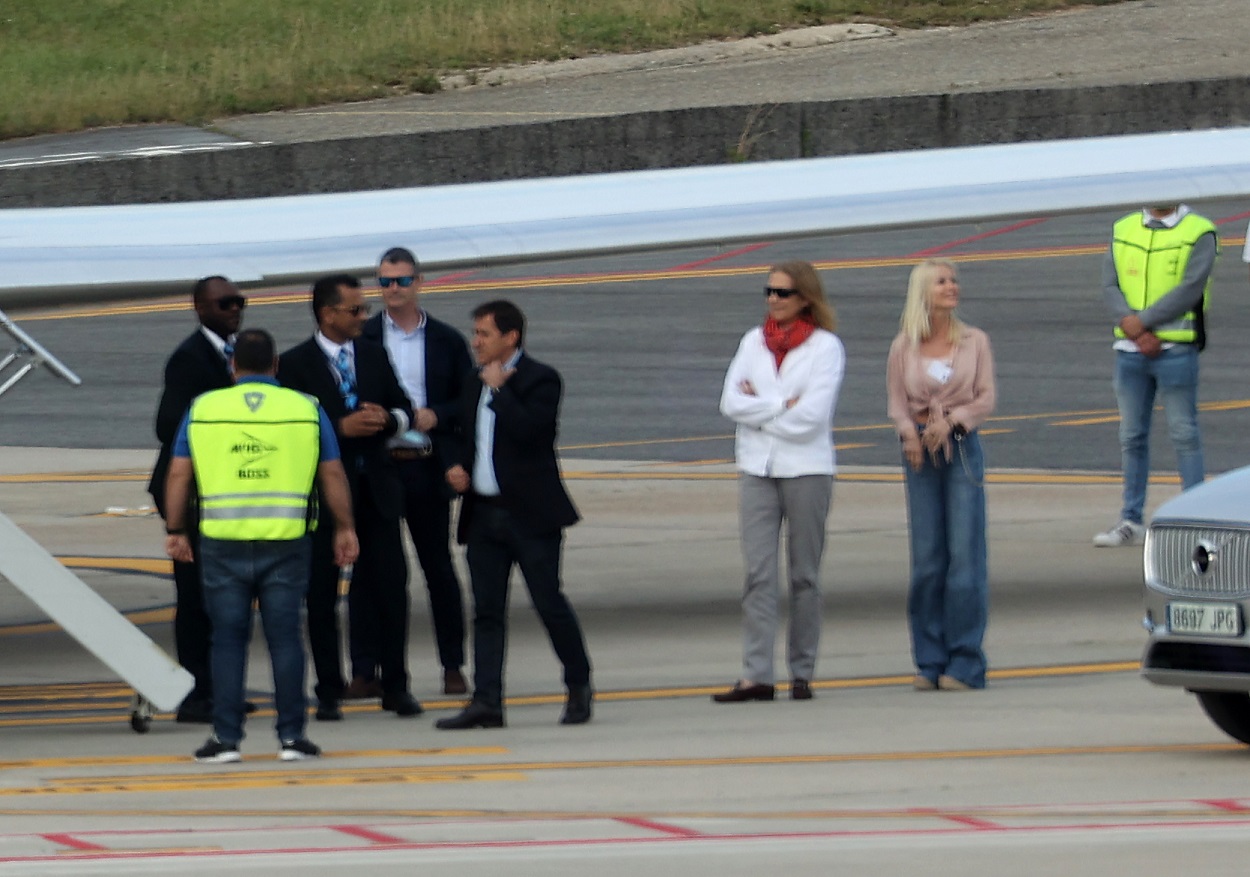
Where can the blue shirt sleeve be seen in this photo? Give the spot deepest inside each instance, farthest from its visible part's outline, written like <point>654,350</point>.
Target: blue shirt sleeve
<point>329,443</point>
<point>182,447</point>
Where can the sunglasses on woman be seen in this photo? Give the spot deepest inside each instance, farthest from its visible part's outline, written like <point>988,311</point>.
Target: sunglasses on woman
<point>779,292</point>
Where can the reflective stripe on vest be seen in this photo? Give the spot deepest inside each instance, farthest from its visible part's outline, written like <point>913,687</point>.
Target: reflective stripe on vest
<point>255,449</point>
<point>1151,262</point>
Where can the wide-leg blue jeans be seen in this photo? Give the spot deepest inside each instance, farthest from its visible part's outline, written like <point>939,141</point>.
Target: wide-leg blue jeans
<point>948,600</point>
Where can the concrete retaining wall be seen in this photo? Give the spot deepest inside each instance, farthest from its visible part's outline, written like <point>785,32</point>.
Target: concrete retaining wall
<point>679,138</point>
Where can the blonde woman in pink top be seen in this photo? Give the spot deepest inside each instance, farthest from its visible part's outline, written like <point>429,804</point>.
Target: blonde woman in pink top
<point>940,378</point>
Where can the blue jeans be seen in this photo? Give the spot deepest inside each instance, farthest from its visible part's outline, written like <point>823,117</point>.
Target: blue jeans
<point>948,601</point>
<point>1173,375</point>
<point>275,574</point>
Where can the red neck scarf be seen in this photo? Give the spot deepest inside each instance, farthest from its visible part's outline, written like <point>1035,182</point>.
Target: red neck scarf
<point>782,340</point>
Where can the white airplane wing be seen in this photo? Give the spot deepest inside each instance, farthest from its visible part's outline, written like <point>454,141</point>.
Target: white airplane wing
<point>103,252</point>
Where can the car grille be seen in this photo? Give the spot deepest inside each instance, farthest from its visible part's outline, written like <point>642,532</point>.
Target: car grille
<point>1170,561</point>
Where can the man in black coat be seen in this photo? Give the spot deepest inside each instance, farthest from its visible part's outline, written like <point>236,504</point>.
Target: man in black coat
<point>432,363</point>
<point>199,364</point>
<point>353,380</point>
<point>514,512</point>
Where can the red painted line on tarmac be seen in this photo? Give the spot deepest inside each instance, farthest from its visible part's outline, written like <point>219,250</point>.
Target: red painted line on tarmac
<point>449,278</point>
<point>980,824</point>
<point>363,833</point>
<point>941,248</point>
<point>662,827</point>
<point>1234,218</point>
<point>741,251</point>
<point>74,843</point>
<point>1232,805</point>
<point>1188,825</point>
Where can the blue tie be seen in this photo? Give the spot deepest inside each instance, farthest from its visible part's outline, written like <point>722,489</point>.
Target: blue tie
<point>347,382</point>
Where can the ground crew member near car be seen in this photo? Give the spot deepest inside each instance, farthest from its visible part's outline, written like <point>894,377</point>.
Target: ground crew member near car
<point>254,450</point>
<point>1156,283</point>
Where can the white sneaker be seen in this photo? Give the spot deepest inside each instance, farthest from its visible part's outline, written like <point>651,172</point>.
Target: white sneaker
<point>1123,533</point>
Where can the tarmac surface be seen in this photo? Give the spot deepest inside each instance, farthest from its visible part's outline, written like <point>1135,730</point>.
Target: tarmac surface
<point>1068,763</point>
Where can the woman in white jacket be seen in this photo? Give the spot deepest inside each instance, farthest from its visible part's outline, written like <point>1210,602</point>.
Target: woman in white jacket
<point>781,390</point>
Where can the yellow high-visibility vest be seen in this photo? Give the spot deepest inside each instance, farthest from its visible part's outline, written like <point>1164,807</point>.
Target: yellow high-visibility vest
<point>255,449</point>
<point>1151,262</point>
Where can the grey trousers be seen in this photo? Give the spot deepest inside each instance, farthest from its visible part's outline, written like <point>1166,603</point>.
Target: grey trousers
<point>803,503</point>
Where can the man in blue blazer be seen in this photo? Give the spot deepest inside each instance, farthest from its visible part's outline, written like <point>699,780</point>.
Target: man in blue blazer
<point>199,364</point>
<point>353,380</point>
<point>432,363</point>
<point>514,512</point>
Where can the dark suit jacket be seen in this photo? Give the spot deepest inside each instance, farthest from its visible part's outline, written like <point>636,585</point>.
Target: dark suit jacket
<point>447,367</point>
<point>305,368</point>
<point>527,410</point>
<point>193,368</point>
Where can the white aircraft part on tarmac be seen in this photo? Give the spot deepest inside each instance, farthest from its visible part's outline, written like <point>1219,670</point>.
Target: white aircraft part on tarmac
<point>88,618</point>
<point>104,252</point>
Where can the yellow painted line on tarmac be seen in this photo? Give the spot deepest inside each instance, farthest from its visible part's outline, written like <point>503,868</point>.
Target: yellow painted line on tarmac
<point>162,566</point>
<point>75,477</point>
<point>592,279</point>
<point>120,760</point>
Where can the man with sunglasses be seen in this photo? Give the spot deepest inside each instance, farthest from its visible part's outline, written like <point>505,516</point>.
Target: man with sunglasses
<point>199,364</point>
<point>353,380</point>
<point>431,360</point>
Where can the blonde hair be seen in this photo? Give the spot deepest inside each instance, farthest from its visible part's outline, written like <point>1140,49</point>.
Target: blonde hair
<point>807,283</point>
<point>914,323</point>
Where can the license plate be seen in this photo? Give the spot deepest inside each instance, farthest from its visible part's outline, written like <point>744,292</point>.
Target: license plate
<point>1211,619</point>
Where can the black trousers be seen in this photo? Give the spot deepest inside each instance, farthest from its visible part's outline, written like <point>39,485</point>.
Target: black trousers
<point>495,545</point>
<point>379,593</point>
<point>427,511</point>
<point>193,631</point>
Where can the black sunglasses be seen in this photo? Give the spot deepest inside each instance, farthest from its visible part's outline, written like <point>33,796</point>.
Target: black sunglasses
<point>779,292</point>
<point>403,282</point>
<point>227,302</point>
<point>354,310</point>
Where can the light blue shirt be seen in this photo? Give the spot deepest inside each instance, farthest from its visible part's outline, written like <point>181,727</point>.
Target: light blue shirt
<point>407,350</point>
<point>484,481</point>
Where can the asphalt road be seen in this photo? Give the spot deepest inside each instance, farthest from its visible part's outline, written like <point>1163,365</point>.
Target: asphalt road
<point>643,343</point>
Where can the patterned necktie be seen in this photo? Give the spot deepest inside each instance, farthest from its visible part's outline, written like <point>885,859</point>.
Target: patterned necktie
<point>347,381</point>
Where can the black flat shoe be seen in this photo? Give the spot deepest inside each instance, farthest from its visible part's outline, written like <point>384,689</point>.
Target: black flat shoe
<point>329,711</point>
<point>577,708</point>
<point>741,693</point>
<point>800,689</point>
<point>475,715</point>
<point>402,704</point>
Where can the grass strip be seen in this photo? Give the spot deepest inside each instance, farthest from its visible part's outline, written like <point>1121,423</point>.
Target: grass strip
<point>74,64</point>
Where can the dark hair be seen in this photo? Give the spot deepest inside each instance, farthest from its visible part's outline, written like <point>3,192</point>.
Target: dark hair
<point>201,286</point>
<point>507,317</point>
<point>400,256</point>
<point>325,291</point>
<point>253,351</point>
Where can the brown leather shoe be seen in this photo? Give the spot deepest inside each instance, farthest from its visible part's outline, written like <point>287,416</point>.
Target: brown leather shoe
<point>800,689</point>
<point>361,688</point>
<point>454,683</point>
<point>741,693</point>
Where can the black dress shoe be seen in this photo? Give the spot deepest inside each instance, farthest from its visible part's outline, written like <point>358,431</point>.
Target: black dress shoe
<point>328,710</point>
<point>248,707</point>
<point>475,715</point>
<point>454,682</point>
<point>800,689</point>
<point>195,712</point>
<point>741,693</point>
<point>401,703</point>
<point>577,706</point>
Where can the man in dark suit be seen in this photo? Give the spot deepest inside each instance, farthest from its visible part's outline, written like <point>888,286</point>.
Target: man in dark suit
<point>431,361</point>
<point>199,364</point>
<point>515,510</point>
<point>353,380</point>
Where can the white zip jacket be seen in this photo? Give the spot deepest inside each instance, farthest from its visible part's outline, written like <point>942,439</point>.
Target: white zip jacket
<point>774,441</point>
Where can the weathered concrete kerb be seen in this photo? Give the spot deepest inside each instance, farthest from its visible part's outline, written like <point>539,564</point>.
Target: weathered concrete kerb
<point>636,141</point>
